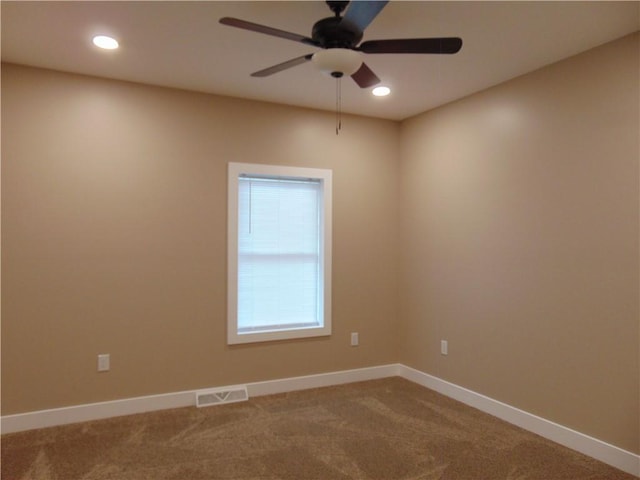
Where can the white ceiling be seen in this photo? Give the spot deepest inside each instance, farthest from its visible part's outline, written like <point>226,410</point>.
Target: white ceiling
<point>181,44</point>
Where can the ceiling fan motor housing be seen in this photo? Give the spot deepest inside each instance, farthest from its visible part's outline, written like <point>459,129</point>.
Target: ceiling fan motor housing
<point>335,32</point>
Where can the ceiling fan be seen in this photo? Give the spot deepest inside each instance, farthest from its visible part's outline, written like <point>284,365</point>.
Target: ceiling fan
<point>339,38</point>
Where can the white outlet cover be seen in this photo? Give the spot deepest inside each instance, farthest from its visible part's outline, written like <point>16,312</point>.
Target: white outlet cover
<point>104,362</point>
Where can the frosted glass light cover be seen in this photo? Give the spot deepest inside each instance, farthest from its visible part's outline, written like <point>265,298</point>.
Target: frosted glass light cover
<point>340,60</point>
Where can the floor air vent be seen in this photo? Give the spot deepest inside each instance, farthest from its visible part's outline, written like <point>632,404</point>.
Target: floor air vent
<point>219,396</point>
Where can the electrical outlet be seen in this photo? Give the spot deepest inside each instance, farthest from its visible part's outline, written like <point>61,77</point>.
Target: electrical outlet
<point>104,362</point>
<point>444,347</point>
<point>354,339</point>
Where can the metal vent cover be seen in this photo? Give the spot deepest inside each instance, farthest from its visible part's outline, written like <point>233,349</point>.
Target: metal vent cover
<point>218,396</point>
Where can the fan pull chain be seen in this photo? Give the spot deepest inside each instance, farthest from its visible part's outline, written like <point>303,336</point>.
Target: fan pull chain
<point>338,105</point>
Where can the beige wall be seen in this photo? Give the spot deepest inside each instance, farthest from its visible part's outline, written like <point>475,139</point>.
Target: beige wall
<point>114,238</point>
<point>520,242</point>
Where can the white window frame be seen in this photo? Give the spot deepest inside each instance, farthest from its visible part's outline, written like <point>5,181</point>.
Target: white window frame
<point>235,171</point>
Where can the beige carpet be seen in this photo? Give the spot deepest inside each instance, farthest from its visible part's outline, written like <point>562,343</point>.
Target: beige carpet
<point>387,429</point>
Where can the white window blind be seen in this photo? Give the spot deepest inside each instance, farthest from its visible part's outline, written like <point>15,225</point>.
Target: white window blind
<point>279,252</point>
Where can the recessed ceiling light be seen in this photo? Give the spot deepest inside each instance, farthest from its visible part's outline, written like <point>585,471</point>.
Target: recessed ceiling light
<point>381,91</point>
<point>108,43</point>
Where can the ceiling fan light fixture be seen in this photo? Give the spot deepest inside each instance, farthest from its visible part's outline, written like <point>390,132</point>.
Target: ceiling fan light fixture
<point>337,61</point>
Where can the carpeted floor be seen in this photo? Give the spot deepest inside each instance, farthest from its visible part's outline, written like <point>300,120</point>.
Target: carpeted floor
<point>388,429</point>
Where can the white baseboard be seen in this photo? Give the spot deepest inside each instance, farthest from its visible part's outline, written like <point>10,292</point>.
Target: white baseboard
<point>95,411</point>
<point>129,406</point>
<point>610,454</point>
<point>606,453</point>
<point>322,380</point>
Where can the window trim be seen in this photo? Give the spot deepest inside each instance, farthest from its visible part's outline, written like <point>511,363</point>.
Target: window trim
<point>235,170</point>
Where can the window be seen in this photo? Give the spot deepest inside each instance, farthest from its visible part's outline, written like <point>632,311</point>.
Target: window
<point>279,253</point>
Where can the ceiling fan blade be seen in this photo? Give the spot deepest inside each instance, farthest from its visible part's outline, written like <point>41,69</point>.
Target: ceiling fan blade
<point>254,27</point>
<point>282,66</point>
<point>364,77</point>
<point>413,45</point>
<point>362,12</point>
